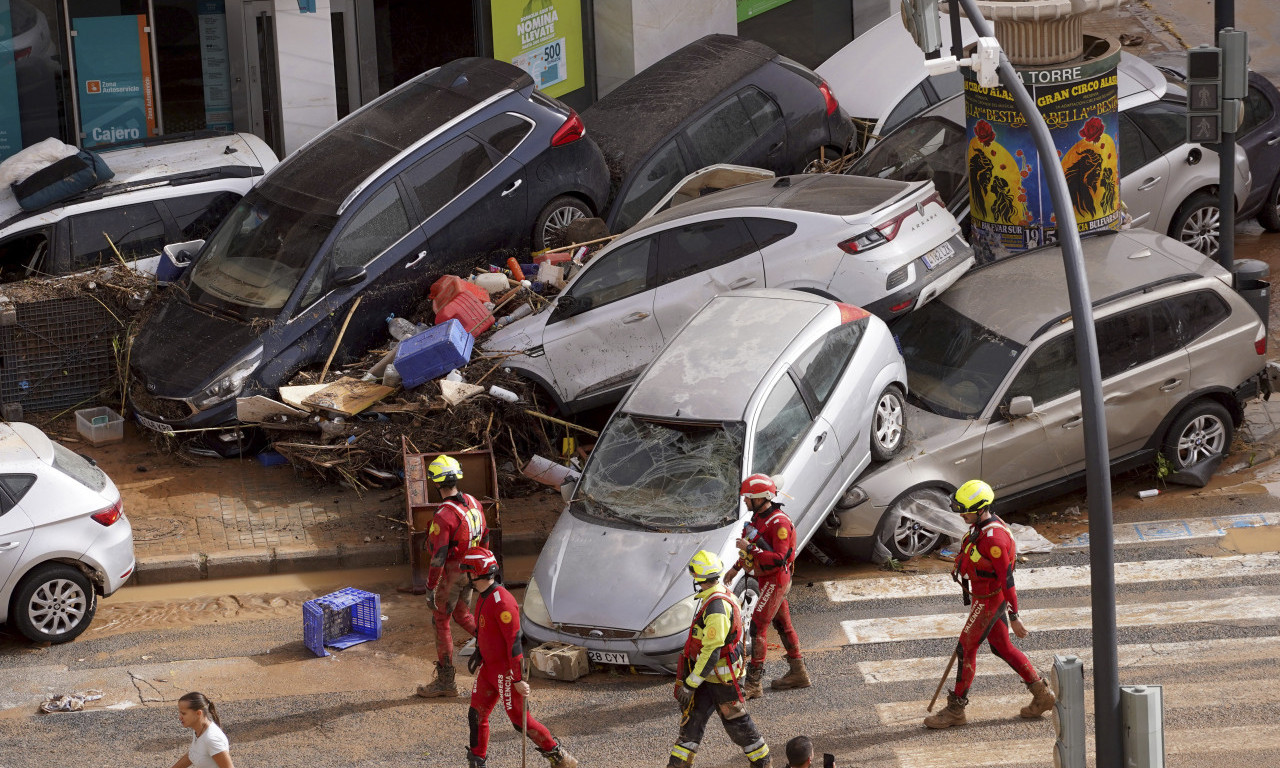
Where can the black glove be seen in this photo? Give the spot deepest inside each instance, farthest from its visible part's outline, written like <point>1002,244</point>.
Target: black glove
<point>474,661</point>
<point>684,695</point>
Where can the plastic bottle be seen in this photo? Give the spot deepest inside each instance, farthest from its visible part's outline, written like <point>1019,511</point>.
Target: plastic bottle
<point>401,329</point>
<point>504,394</point>
<point>391,377</point>
<point>516,314</point>
<point>517,274</point>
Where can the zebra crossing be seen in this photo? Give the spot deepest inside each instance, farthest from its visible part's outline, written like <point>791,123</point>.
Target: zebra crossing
<point>1221,600</point>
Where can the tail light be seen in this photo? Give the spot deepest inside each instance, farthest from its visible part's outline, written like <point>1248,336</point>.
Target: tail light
<point>832,104</point>
<point>849,313</point>
<point>863,242</point>
<point>571,131</point>
<point>109,515</point>
<point>1260,341</point>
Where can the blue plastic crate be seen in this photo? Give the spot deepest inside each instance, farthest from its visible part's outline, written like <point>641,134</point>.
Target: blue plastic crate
<point>433,353</point>
<point>341,619</point>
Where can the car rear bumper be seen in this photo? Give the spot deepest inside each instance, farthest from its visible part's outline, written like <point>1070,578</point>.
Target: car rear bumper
<point>659,653</point>
<point>111,555</point>
<point>929,283</point>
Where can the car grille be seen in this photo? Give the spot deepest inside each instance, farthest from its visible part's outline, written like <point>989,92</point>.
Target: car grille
<point>598,633</point>
<point>161,407</point>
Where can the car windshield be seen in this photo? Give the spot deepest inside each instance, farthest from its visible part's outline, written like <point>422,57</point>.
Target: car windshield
<point>926,149</point>
<point>664,475</point>
<point>258,255</point>
<point>954,364</point>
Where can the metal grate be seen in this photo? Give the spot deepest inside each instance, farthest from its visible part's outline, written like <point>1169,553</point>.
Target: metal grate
<point>57,354</point>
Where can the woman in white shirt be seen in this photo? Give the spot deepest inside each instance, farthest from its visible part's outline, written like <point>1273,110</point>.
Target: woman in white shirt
<point>209,744</point>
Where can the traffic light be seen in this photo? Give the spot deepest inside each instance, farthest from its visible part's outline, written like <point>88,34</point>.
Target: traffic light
<point>1067,681</point>
<point>1142,716</point>
<point>920,17</point>
<point>1204,95</point>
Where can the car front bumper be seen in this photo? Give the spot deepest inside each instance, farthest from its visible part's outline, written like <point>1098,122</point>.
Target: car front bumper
<point>658,653</point>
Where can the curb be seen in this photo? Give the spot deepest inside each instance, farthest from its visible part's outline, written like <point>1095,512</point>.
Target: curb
<point>228,564</point>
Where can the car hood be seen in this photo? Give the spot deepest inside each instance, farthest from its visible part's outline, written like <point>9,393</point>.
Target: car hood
<point>205,344</point>
<point>597,576</point>
<point>928,456</point>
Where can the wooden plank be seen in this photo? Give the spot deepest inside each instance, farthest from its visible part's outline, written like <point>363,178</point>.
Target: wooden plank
<point>295,395</point>
<point>347,396</point>
<point>259,408</point>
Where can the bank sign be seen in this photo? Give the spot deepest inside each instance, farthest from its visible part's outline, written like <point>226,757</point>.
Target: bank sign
<point>542,37</point>
<point>113,77</point>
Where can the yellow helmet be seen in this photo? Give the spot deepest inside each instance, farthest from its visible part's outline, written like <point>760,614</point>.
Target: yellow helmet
<point>973,496</point>
<point>445,469</point>
<point>705,566</point>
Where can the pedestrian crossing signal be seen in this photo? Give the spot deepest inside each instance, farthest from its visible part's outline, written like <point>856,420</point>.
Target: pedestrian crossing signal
<point>1204,95</point>
<point>1067,681</point>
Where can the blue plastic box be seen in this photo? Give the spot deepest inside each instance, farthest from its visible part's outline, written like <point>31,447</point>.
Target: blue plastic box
<point>341,619</point>
<point>433,353</point>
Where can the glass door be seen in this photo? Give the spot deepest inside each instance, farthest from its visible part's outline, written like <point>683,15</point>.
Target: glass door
<point>113,63</point>
<point>264,81</point>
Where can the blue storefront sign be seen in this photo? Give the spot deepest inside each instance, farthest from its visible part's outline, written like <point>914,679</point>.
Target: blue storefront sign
<point>10,122</point>
<point>113,73</point>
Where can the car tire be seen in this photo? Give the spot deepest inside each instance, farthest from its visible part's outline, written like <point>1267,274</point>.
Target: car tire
<point>909,538</point>
<point>251,443</point>
<point>54,604</point>
<point>888,424</point>
<point>1203,430</point>
<point>548,227</point>
<point>1269,216</point>
<point>1198,223</point>
<point>830,151</point>
<point>747,590</point>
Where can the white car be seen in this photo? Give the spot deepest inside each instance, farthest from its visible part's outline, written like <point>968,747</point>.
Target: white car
<point>64,539</point>
<point>804,389</point>
<point>887,246</point>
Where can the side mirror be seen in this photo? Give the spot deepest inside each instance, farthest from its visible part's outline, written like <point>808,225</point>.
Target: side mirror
<point>566,306</point>
<point>1194,156</point>
<point>1021,406</point>
<point>344,276</point>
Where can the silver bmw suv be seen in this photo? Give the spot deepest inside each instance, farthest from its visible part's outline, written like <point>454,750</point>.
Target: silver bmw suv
<point>994,386</point>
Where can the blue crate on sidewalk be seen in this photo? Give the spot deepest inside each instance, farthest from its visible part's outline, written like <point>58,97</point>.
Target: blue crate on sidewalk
<point>341,619</point>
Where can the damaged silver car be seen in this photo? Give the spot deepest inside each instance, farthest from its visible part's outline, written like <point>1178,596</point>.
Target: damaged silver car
<point>994,384</point>
<point>799,387</point>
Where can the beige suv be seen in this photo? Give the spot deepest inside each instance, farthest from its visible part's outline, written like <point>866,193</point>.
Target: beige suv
<point>994,389</point>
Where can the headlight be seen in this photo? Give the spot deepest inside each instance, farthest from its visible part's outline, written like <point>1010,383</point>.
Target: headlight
<point>675,619</point>
<point>534,609</point>
<point>229,382</point>
<point>851,498</point>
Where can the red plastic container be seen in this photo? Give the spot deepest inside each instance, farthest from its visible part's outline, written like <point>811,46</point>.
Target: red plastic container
<point>469,311</point>
<point>554,257</point>
<point>449,286</point>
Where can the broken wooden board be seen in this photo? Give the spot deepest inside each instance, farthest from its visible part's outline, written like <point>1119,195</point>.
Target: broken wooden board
<point>295,395</point>
<point>260,408</point>
<point>347,396</point>
<point>454,392</point>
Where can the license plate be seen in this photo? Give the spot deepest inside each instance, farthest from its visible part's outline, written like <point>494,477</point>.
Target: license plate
<point>939,255</point>
<point>609,657</point>
<point>156,426</point>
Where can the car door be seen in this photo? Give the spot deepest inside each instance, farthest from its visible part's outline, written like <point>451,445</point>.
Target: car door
<point>456,194</point>
<point>699,260</point>
<point>790,441</point>
<point>1144,174</point>
<point>1145,373</point>
<point>1259,134</point>
<point>494,212</point>
<point>1164,123</point>
<point>95,238</point>
<point>745,129</point>
<point>1027,451</point>
<point>602,331</point>
<point>15,526</point>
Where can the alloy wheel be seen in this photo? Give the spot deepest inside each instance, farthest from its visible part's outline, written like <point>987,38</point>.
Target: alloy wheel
<point>1203,438</point>
<point>1200,230</point>
<point>888,422</point>
<point>553,229</point>
<point>57,607</point>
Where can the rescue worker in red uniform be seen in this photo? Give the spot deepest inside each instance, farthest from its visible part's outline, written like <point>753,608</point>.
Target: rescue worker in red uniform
<point>768,552</point>
<point>984,568</point>
<point>499,657</point>
<point>711,668</point>
<point>457,526</point>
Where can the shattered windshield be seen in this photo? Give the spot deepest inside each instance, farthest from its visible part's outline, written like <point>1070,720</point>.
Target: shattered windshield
<point>663,475</point>
<point>258,255</point>
<point>954,364</point>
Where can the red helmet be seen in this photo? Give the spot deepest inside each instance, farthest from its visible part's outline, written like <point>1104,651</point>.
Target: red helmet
<point>759,486</point>
<point>479,562</point>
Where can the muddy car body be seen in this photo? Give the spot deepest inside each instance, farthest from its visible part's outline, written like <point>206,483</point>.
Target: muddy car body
<point>795,386</point>
<point>429,178</point>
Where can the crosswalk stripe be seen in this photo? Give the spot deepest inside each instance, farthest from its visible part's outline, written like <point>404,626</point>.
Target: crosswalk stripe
<point>902,628</point>
<point>1207,741</point>
<point>1190,653</point>
<point>1174,530</point>
<point>1060,577</point>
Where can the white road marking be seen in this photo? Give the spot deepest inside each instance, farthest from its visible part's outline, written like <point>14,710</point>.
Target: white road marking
<point>1190,654</point>
<point>902,628</point>
<point>1176,530</point>
<point>1060,577</point>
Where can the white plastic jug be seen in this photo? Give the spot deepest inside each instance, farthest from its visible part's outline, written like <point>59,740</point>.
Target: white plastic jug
<point>493,282</point>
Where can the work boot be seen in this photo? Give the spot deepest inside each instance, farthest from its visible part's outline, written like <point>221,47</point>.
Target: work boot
<point>753,689</point>
<point>798,677</point>
<point>952,715</point>
<point>559,757</point>
<point>1042,699</point>
<point>764,762</point>
<point>443,685</point>
<point>473,761</point>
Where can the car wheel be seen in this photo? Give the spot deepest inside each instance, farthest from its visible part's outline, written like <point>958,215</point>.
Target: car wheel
<point>747,591</point>
<point>828,154</point>
<point>248,441</point>
<point>548,228</point>
<point>888,424</point>
<point>1197,224</point>
<point>909,537</point>
<point>1200,432</point>
<point>54,604</point>
<point>1269,216</point>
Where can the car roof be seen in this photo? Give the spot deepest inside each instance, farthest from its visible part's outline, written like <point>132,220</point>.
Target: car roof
<point>644,110</point>
<point>318,177</point>
<point>1018,296</point>
<point>715,363</point>
<point>21,442</point>
<point>237,155</point>
<point>830,193</point>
